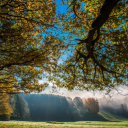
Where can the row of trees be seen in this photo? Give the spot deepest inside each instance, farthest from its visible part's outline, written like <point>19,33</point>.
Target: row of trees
<point>49,107</point>
<point>30,46</point>
<point>46,107</point>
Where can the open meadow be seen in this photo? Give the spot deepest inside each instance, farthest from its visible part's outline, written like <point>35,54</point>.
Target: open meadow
<point>113,121</point>
<point>77,124</point>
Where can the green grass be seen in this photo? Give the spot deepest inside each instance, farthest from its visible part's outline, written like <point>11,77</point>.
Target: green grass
<point>114,121</point>
<point>78,124</point>
<point>112,117</point>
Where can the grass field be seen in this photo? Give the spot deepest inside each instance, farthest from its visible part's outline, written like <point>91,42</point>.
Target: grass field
<point>78,124</point>
<point>114,121</point>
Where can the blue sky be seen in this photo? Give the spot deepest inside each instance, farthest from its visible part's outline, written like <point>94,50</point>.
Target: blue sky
<point>61,8</point>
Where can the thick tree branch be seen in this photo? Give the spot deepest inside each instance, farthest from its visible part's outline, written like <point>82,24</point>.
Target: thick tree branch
<point>90,41</point>
<point>101,19</point>
<point>98,22</point>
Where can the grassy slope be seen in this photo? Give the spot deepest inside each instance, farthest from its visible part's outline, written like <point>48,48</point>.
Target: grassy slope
<point>112,117</point>
<point>114,121</point>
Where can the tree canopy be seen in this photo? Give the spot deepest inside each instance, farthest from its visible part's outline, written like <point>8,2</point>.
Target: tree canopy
<point>92,105</point>
<point>29,50</point>
<point>25,55</point>
<point>5,109</point>
<point>100,54</point>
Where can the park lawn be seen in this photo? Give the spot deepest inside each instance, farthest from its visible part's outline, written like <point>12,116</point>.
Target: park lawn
<point>77,124</point>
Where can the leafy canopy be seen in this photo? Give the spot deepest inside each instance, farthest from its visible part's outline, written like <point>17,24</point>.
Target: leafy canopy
<point>92,105</point>
<point>100,54</point>
<point>27,50</point>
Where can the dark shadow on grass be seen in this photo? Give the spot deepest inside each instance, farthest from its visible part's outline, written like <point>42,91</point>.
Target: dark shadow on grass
<point>86,117</point>
<point>62,122</point>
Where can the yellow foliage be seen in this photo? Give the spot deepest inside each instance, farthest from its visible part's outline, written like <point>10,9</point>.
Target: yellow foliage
<point>25,58</point>
<point>5,108</point>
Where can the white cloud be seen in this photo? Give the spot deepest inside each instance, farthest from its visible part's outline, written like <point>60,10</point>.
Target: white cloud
<point>42,81</point>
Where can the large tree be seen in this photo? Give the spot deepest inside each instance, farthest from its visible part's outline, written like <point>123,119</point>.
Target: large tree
<point>99,58</point>
<point>5,108</point>
<point>100,46</point>
<point>27,49</point>
<point>92,105</point>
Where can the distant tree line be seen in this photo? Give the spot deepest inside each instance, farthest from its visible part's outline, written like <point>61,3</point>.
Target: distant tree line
<point>45,107</point>
<point>53,107</point>
<point>48,107</point>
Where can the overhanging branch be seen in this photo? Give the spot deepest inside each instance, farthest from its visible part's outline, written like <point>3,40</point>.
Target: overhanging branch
<point>96,25</point>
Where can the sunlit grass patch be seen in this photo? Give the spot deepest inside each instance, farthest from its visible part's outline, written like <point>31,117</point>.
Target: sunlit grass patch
<point>112,117</point>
